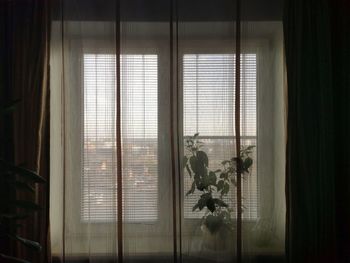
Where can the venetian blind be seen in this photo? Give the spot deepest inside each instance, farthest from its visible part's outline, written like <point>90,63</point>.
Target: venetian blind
<point>208,99</point>
<point>139,111</point>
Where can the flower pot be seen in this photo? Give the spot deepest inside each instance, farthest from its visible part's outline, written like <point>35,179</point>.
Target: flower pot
<point>220,240</point>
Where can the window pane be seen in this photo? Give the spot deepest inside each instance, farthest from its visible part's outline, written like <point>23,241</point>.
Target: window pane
<point>209,103</point>
<point>139,98</point>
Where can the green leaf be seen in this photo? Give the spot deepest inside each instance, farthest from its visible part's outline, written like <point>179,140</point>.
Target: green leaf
<point>191,191</point>
<point>202,202</point>
<point>184,161</point>
<point>26,205</point>
<point>212,178</point>
<point>205,181</point>
<point>250,147</point>
<point>28,243</point>
<point>219,202</point>
<point>225,189</point>
<point>188,170</point>
<point>24,186</point>
<point>13,259</point>
<point>217,171</point>
<point>220,185</point>
<point>225,214</point>
<point>225,162</point>
<point>23,172</point>
<point>10,107</point>
<point>197,166</point>
<point>195,135</point>
<point>14,216</point>
<point>247,163</point>
<point>200,186</point>
<point>206,196</point>
<point>198,182</point>
<point>210,204</point>
<point>194,164</point>
<point>203,158</point>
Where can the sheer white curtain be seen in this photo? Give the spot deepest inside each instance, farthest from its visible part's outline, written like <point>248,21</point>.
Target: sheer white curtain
<point>162,105</point>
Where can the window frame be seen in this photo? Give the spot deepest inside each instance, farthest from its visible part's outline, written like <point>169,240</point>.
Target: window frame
<point>98,232</point>
<point>92,46</point>
<point>250,46</point>
<point>157,47</point>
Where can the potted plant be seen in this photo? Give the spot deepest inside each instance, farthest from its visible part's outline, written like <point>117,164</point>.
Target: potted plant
<point>15,180</point>
<point>214,187</point>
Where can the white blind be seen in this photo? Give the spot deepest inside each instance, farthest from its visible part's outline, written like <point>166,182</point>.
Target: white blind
<point>139,111</point>
<point>209,104</point>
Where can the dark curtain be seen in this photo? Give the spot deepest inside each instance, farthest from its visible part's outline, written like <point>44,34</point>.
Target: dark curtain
<point>340,15</point>
<point>25,51</point>
<point>317,57</point>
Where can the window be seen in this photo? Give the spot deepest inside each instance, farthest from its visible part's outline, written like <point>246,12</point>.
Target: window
<point>139,111</point>
<point>208,108</point>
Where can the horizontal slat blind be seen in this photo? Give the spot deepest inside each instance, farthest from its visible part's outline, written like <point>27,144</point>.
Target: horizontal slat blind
<point>208,99</point>
<point>139,98</point>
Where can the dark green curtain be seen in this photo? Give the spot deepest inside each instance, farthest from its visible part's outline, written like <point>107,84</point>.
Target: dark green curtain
<point>318,127</point>
<point>24,76</point>
<point>340,16</point>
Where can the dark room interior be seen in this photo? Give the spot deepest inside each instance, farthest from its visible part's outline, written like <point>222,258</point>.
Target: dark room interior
<point>175,131</point>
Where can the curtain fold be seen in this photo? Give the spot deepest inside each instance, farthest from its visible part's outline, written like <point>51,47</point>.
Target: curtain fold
<point>311,133</point>
<point>26,36</point>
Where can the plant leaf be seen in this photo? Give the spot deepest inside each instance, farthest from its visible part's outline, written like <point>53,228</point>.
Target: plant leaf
<point>200,186</point>
<point>14,216</point>
<point>225,162</point>
<point>193,187</point>
<point>202,202</point>
<point>202,157</point>
<point>219,202</point>
<point>250,147</point>
<point>223,175</point>
<point>28,243</point>
<point>189,170</point>
<point>195,207</point>
<point>247,163</point>
<point>23,172</point>
<point>210,204</point>
<point>26,205</point>
<point>10,107</point>
<point>225,189</point>
<point>13,259</point>
<point>220,185</point>
<point>194,164</point>
<point>24,186</point>
<point>212,178</point>
<point>184,161</point>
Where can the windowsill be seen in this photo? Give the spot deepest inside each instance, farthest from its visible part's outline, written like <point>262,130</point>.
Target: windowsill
<point>164,258</point>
